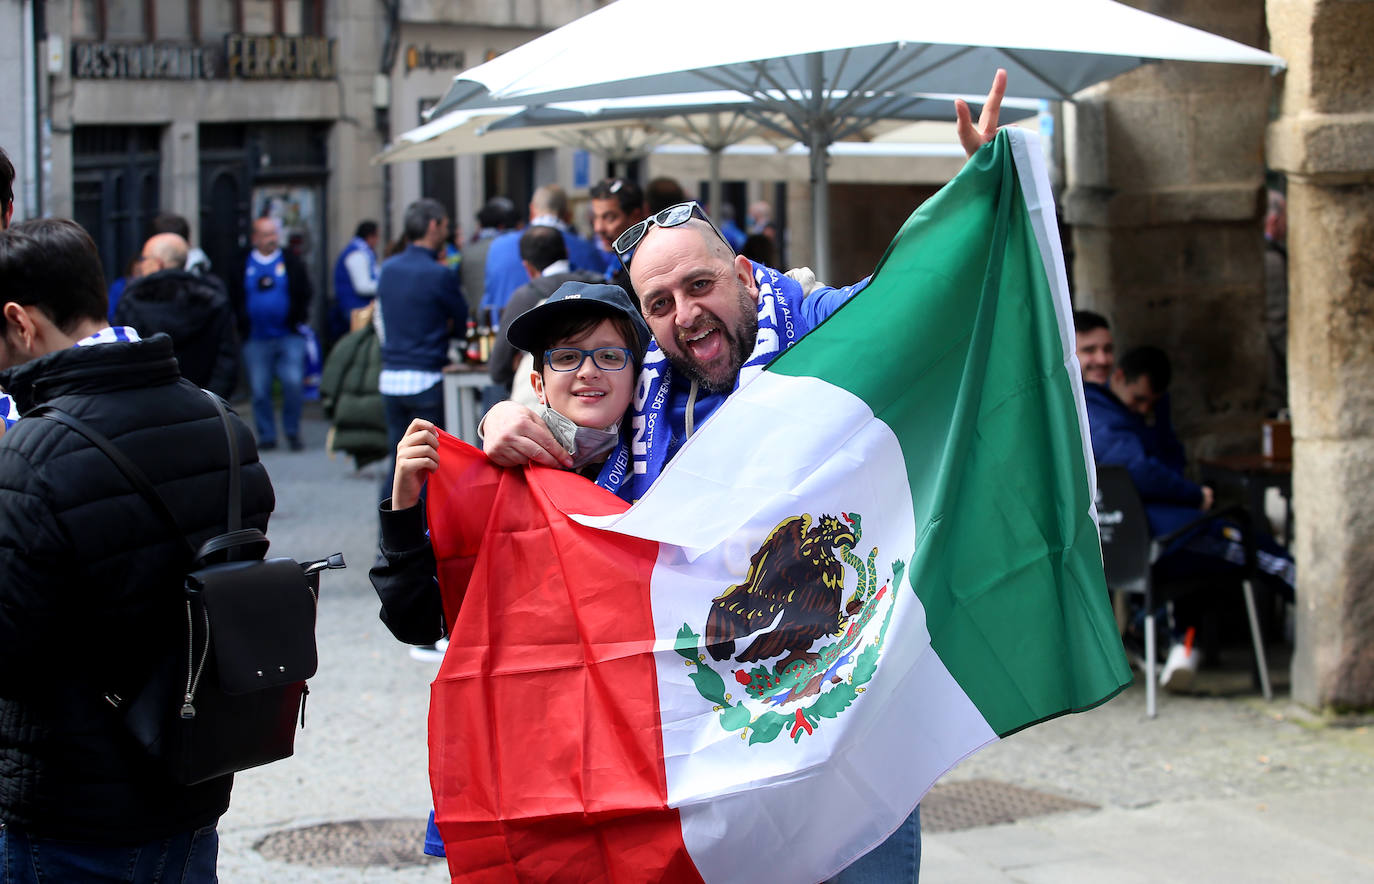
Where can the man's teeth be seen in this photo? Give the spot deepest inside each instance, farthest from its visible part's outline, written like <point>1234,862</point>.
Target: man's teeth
<point>699,337</point>
<point>595,394</point>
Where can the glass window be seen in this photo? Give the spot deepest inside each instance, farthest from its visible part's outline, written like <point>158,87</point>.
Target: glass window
<point>216,19</point>
<point>174,19</point>
<point>85,19</point>
<point>257,16</point>
<point>124,21</point>
<point>293,17</point>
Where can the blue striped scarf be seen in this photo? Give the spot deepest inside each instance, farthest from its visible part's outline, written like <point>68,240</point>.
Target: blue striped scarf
<point>639,458</point>
<point>9,412</point>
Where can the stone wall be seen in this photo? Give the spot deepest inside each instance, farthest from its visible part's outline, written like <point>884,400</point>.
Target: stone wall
<point>1165,183</point>
<point>1323,140</point>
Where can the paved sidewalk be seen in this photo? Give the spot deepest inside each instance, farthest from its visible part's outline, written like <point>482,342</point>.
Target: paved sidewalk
<point>1219,788</point>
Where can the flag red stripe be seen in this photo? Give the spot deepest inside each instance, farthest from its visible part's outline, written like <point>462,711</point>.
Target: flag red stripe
<point>545,745</point>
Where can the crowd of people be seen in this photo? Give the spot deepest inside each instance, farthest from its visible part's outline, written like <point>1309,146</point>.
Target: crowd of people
<point>578,319</point>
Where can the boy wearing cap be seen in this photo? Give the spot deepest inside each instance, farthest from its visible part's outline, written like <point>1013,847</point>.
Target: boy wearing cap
<point>588,341</point>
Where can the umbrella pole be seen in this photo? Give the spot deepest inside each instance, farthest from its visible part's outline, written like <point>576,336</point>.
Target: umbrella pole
<point>820,205</point>
<point>713,191</point>
<point>818,144</point>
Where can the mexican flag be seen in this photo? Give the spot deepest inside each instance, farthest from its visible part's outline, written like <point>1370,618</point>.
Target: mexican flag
<point>878,556</point>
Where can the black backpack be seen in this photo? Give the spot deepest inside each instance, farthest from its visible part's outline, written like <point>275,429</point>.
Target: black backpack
<point>228,695</point>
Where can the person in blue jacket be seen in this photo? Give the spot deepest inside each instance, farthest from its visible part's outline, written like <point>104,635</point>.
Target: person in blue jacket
<point>1129,418</point>
<point>505,273</point>
<point>1130,423</point>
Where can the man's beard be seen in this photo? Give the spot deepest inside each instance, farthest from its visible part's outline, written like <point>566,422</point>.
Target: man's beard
<point>739,341</point>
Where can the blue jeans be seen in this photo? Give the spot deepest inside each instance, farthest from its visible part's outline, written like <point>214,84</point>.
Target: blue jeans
<point>184,858</point>
<point>281,359</point>
<point>898,859</point>
<point>400,411</point>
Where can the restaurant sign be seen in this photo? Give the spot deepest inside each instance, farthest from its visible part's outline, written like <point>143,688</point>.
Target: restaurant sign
<point>239,57</point>
<point>145,61</point>
<point>431,59</point>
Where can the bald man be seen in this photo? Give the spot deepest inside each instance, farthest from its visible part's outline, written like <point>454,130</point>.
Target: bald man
<point>271,294</point>
<point>194,310</point>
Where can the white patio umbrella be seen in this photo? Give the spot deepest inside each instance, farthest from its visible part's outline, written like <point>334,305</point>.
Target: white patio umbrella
<point>834,56</point>
<point>623,129</point>
<point>476,131</point>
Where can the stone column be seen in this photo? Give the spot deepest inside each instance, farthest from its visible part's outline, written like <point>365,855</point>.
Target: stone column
<point>355,186</point>
<point>181,172</point>
<point>1323,140</point>
<point>1165,174</point>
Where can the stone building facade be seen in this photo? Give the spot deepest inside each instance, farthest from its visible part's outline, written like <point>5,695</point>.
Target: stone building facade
<point>218,111</point>
<point>435,40</point>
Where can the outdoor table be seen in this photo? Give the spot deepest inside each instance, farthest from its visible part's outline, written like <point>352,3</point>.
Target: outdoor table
<point>1251,475</point>
<point>463,386</point>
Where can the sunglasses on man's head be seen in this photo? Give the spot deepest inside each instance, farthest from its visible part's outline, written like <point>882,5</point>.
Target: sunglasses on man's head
<point>673,216</point>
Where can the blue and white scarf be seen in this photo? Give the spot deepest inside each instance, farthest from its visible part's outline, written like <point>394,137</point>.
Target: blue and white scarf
<point>9,412</point>
<point>637,461</point>
<point>112,334</point>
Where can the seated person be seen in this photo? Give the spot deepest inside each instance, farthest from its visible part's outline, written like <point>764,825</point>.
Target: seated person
<point>1129,420</point>
<point>588,341</point>
<point>1094,346</point>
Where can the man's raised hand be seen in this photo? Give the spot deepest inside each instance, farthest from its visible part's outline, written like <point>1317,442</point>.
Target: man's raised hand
<point>973,137</point>
<point>514,436</point>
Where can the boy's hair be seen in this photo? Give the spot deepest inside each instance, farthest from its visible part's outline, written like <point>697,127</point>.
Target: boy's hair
<point>572,326</point>
<point>1149,361</point>
<point>52,264</point>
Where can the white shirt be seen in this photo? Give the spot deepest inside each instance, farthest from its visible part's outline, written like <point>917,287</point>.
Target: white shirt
<point>360,273</point>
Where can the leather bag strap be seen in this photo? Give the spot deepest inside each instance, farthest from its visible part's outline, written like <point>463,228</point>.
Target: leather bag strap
<point>235,519</point>
<point>131,472</point>
<point>235,534</point>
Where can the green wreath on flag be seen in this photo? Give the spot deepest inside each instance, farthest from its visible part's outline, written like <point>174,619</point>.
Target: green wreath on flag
<point>802,677</point>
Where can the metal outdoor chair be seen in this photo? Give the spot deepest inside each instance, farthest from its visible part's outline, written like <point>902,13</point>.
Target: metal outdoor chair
<point>1129,554</point>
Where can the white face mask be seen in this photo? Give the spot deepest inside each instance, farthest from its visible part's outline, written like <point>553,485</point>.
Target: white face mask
<point>585,444</point>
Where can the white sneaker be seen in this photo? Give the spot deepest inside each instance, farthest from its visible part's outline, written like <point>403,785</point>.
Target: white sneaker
<point>429,653</point>
<point>1179,668</point>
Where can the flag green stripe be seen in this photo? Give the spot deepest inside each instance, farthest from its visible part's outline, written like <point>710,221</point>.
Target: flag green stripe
<point>961,355</point>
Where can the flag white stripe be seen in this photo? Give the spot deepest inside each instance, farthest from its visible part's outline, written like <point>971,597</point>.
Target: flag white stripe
<point>1034,178</point>
<point>837,792</point>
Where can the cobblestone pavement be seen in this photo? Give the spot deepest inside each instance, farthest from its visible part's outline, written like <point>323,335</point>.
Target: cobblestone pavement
<point>1220,787</point>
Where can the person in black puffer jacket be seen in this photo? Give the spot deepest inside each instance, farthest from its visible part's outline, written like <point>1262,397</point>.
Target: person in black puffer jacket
<point>90,576</point>
<point>193,309</point>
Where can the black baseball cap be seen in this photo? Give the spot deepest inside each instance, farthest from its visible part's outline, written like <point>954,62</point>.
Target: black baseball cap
<point>526,331</point>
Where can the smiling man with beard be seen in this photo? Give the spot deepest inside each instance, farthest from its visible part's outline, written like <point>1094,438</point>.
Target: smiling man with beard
<point>701,302</point>
<point>717,317</point>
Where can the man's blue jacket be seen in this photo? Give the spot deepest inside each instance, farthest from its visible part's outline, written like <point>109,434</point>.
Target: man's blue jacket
<point>1152,454</point>
<point>419,299</point>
